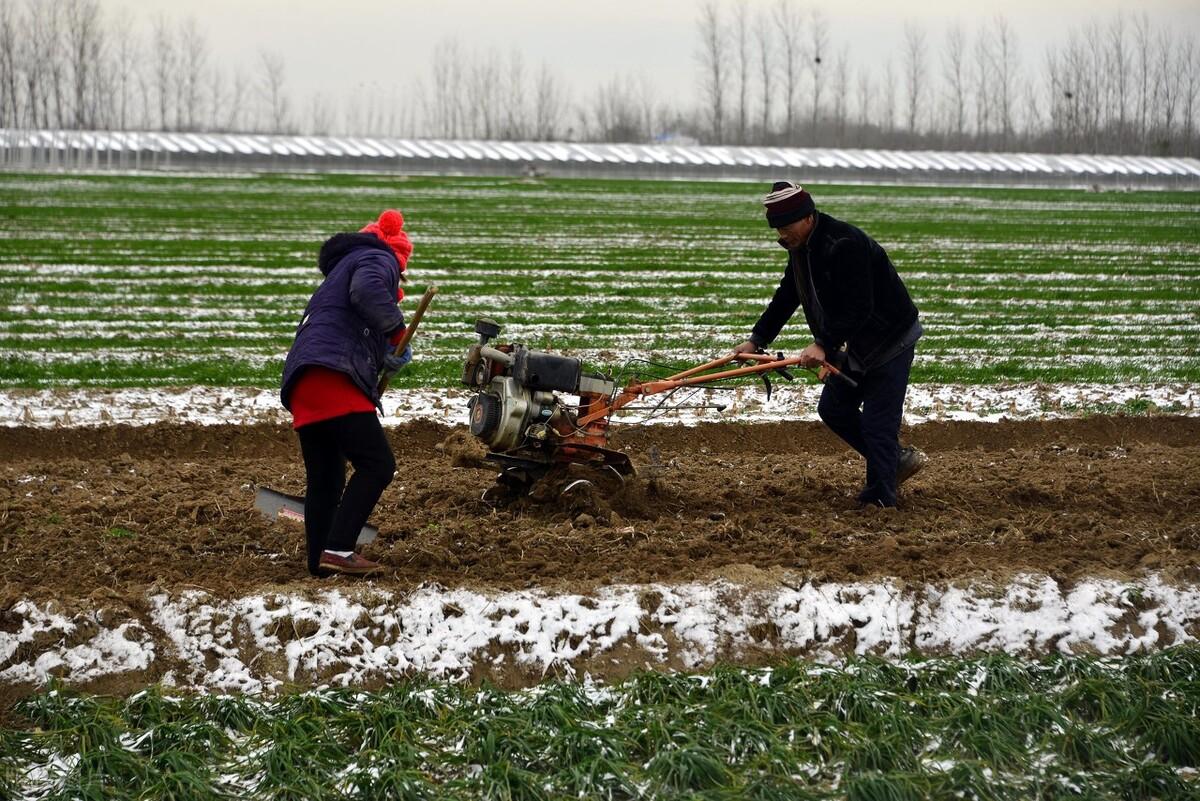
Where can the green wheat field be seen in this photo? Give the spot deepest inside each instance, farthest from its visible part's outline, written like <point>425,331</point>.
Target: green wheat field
<point>180,280</point>
<point>143,281</point>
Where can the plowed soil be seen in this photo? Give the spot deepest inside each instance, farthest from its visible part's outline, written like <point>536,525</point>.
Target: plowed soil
<point>120,510</point>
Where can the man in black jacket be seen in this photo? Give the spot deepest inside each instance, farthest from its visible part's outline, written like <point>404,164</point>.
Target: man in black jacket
<point>862,321</point>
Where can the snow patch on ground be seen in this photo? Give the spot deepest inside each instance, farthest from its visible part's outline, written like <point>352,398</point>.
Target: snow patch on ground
<point>75,647</point>
<point>263,642</point>
<point>241,406</point>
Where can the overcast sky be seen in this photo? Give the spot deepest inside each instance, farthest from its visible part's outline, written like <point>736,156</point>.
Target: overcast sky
<point>332,47</point>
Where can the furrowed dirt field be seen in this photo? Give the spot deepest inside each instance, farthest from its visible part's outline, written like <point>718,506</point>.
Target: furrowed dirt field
<point>118,511</point>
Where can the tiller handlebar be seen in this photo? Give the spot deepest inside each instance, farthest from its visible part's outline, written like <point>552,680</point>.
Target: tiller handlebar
<point>704,374</point>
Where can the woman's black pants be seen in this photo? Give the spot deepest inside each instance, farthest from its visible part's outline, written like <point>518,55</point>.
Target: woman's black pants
<point>334,509</point>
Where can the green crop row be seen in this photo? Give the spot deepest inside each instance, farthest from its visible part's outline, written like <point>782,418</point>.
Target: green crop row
<point>995,727</point>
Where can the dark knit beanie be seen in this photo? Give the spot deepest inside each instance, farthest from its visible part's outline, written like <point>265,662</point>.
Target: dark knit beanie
<point>786,203</point>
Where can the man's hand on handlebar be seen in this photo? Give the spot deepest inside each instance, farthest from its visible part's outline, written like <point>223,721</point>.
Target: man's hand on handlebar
<point>812,356</point>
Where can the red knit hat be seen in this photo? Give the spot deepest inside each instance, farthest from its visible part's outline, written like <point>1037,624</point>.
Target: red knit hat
<point>390,228</point>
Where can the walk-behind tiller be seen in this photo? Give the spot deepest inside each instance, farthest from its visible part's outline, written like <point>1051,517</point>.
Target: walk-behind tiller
<point>530,430</point>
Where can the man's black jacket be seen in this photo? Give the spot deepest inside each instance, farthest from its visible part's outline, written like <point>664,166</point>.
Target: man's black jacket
<point>860,300</point>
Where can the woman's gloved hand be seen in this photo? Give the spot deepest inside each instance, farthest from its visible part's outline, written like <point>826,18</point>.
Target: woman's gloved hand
<point>394,362</point>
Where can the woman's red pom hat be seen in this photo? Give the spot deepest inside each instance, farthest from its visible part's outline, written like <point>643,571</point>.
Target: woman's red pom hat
<point>390,228</point>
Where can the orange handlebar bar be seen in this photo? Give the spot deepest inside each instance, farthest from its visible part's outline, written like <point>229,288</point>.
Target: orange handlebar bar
<point>699,375</point>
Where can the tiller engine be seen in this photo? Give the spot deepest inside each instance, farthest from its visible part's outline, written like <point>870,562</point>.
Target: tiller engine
<point>529,429</point>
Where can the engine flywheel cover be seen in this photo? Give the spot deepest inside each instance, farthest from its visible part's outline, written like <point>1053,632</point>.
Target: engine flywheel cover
<point>485,415</point>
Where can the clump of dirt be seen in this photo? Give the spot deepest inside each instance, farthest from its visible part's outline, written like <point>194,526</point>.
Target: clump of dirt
<point>464,450</point>
<point>83,510</point>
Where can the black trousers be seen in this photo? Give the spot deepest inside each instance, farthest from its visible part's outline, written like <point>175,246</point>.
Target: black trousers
<point>334,510</point>
<point>868,418</point>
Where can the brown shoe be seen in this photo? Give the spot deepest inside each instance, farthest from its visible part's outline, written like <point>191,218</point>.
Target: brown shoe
<point>352,565</point>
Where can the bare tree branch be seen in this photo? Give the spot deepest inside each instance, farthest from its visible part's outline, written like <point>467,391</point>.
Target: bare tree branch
<point>711,56</point>
<point>272,91</point>
<point>1006,74</point>
<point>982,83</point>
<point>1115,78</point>
<point>125,55</point>
<point>164,67</point>
<point>741,35</point>
<point>549,103</point>
<point>841,92</point>
<point>515,112</point>
<point>762,38</point>
<point>10,100</point>
<point>82,41</point>
<point>955,75</point>
<point>914,74</point>
<point>1142,42</point>
<point>787,23</point>
<point>193,53</point>
<point>818,54</point>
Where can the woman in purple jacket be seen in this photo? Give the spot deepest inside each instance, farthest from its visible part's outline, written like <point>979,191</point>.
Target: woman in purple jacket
<point>342,348</point>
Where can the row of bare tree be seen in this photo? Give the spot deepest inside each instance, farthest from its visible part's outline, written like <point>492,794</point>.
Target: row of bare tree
<point>63,65</point>
<point>776,76</point>
<point>772,76</point>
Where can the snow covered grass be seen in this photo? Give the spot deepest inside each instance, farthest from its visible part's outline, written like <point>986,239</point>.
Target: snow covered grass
<point>995,727</point>
<point>266,643</point>
<point>111,281</point>
<point>49,408</point>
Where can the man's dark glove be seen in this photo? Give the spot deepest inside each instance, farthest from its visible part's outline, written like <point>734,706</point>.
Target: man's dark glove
<point>393,363</point>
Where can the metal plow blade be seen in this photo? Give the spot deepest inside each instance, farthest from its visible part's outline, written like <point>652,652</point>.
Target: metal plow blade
<point>281,506</point>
